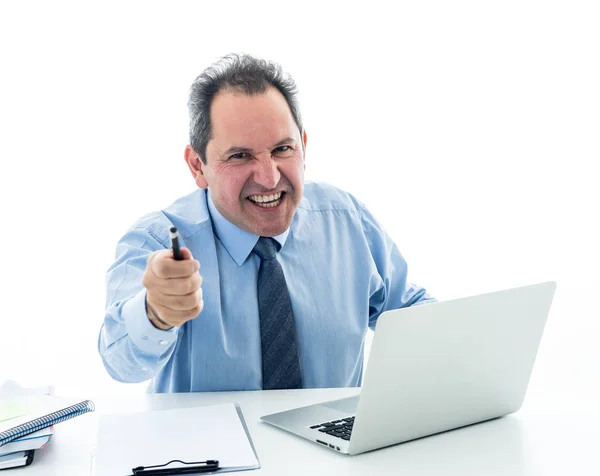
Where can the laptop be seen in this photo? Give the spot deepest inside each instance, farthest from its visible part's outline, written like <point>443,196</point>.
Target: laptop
<point>433,368</point>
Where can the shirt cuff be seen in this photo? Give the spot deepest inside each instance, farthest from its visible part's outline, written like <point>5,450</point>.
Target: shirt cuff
<point>140,329</point>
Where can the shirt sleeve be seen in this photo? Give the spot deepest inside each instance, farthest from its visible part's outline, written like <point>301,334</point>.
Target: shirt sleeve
<point>389,285</point>
<point>132,349</point>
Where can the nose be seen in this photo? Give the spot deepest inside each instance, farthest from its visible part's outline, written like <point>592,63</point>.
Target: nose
<point>267,172</point>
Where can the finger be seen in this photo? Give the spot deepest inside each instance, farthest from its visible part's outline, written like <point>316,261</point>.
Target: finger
<point>153,256</point>
<point>164,266</point>
<point>157,257</point>
<point>186,253</point>
<point>179,303</point>
<point>149,277</point>
<point>181,286</point>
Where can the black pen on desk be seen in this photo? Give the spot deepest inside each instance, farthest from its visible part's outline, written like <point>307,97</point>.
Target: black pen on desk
<point>208,466</point>
<point>175,244</point>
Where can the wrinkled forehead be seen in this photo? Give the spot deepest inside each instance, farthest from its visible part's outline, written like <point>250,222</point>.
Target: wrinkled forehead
<point>253,121</point>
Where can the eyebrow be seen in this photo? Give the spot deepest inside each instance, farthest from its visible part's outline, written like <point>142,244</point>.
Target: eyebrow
<point>236,149</point>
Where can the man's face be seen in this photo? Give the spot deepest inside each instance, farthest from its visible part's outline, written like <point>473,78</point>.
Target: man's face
<point>255,161</point>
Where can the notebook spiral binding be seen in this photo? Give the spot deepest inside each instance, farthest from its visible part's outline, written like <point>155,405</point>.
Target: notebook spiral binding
<point>45,421</point>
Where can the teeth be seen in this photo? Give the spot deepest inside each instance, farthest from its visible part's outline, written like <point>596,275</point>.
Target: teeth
<point>268,205</point>
<point>265,198</point>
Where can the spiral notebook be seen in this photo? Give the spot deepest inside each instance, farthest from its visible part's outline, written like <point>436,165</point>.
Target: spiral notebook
<point>42,412</point>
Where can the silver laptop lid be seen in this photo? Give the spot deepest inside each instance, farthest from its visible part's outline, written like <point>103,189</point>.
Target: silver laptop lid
<point>449,364</point>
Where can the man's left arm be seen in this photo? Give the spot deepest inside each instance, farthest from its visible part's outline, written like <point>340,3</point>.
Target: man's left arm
<point>389,287</point>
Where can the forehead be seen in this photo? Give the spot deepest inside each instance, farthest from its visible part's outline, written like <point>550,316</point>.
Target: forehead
<point>240,118</point>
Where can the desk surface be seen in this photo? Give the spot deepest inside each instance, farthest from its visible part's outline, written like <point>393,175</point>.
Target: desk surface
<point>540,439</point>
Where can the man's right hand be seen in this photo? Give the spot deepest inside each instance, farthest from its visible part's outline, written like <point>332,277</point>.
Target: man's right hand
<point>173,292</point>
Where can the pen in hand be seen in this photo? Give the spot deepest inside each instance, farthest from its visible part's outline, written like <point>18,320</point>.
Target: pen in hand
<point>175,244</point>
<point>172,302</point>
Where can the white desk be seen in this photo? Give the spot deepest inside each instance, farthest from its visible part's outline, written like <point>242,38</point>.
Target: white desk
<point>541,439</point>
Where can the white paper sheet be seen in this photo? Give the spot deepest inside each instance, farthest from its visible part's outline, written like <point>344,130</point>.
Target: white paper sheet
<point>151,438</point>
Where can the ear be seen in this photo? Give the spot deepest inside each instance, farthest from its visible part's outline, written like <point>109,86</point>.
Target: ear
<point>304,137</point>
<point>195,165</point>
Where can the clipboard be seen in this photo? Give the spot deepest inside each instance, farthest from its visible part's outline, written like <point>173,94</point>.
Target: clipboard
<point>172,441</point>
<point>16,460</point>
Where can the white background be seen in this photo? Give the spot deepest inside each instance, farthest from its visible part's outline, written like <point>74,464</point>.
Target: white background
<point>470,129</point>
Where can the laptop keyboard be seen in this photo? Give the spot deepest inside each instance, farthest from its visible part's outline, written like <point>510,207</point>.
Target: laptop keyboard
<point>338,428</point>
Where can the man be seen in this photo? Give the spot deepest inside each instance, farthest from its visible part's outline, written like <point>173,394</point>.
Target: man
<point>280,279</point>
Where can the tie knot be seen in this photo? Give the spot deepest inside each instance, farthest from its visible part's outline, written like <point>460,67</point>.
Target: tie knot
<point>266,248</point>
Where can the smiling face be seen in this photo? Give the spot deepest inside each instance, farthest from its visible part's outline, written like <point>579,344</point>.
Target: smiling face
<point>255,161</point>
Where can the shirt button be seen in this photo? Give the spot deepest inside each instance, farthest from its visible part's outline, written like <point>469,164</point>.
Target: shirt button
<point>144,337</point>
<point>163,342</point>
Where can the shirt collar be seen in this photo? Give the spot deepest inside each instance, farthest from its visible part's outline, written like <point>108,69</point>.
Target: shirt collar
<point>238,243</point>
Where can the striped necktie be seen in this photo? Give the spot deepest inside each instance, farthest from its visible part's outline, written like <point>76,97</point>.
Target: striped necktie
<point>280,363</point>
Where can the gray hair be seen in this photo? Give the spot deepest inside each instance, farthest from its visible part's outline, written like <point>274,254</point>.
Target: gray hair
<point>235,72</point>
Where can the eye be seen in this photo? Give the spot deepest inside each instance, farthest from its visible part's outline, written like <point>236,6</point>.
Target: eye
<point>283,151</point>
<point>240,155</point>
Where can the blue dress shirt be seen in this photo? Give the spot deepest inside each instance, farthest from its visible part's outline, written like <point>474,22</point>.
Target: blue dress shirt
<point>342,271</point>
